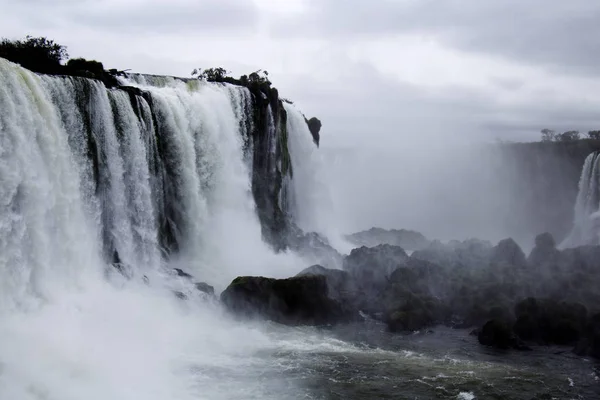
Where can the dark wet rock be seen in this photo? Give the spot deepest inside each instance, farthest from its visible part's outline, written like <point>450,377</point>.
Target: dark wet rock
<point>314,248</point>
<point>544,255</point>
<point>371,268</point>
<point>314,126</point>
<point>589,344</point>
<point>497,333</point>
<point>508,252</point>
<point>339,283</point>
<point>301,300</point>
<point>409,240</point>
<point>205,288</point>
<point>182,273</point>
<point>414,313</point>
<point>547,321</point>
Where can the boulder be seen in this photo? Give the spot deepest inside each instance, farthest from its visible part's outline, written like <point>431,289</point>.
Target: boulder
<point>205,288</point>
<point>507,251</point>
<point>497,333</point>
<point>589,344</point>
<point>314,248</point>
<point>413,313</point>
<point>370,268</point>
<point>544,255</point>
<point>340,285</point>
<point>301,300</point>
<point>549,322</point>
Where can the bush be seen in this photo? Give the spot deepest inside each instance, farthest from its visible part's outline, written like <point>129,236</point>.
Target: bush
<point>36,54</point>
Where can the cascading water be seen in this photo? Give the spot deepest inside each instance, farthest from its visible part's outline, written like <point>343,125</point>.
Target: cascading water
<point>310,199</point>
<point>586,222</point>
<point>144,179</point>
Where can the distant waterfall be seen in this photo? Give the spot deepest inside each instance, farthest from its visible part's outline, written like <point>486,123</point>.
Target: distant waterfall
<point>586,223</point>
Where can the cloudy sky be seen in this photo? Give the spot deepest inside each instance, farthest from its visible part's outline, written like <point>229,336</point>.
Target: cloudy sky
<point>374,71</point>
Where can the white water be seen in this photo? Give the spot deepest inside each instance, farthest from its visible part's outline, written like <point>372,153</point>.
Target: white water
<point>586,222</point>
<point>69,333</point>
<point>310,201</point>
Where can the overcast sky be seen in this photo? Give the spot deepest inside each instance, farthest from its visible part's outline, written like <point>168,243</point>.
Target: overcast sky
<point>374,71</point>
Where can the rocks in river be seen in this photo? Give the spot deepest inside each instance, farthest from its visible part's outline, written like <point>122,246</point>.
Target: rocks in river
<point>301,300</point>
<point>498,333</point>
<point>413,313</point>
<point>371,267</point>
<point>547,321</point>
<point>314,248</point>
<point>340,285</point>
<point>589,343</point>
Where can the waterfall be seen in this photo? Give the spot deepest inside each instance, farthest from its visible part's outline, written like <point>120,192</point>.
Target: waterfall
<point>102,193</point>
<point>586,222</point>
<point>309,200</point>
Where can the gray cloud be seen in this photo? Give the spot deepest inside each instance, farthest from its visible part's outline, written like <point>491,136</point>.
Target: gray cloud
<point>150,17</point>
<point>559,34</point>
<point>366,107</point>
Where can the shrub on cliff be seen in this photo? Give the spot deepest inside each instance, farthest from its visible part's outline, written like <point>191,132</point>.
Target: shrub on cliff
<point>37,54</point>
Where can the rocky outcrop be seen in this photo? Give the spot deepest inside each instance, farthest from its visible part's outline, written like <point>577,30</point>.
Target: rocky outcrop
<point>589,343</point>
<point>340,286</point>
<point>314,248</point>
<point>371,268</point>
<point>497,333</point>
<point>302,300</point>
<point>508,252</point>
<point>546,321</point>
<point>544,255</point>
<point>314,126</point>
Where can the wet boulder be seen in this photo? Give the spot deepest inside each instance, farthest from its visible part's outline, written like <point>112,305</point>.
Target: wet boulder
<point>301,300</point>
<point>340,285</point>
<point>544,255</point>
<point>372,266</point>
<point>205,288</point>
<point>498,334</point>
<point>314,248</point>
<point>589,344</point>
<point>508,252</point>
<point>547,321</point>
<point>414,312</point>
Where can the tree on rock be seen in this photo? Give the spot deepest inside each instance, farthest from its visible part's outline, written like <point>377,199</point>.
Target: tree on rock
<point>37,54</point>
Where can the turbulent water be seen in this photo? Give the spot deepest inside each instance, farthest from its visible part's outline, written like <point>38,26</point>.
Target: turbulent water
<point>586,224</point>
<point>104,191</point>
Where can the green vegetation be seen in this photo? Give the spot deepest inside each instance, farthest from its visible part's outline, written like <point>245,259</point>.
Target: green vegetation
<point>42,55</point>
<point>35,53</point>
